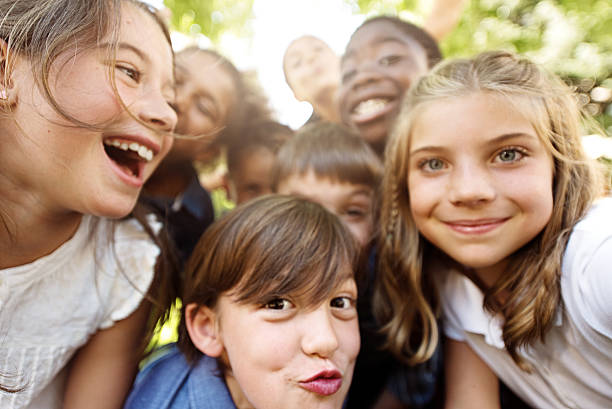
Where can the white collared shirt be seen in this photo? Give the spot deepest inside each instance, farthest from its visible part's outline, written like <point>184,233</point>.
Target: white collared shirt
<point>573,368</point>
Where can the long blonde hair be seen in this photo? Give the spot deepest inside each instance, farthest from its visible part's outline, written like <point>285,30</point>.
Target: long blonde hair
<point>405,300</point>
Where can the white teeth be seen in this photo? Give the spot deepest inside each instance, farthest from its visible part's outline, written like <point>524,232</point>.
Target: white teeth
<point>141,150</point>
<point>370,106</point>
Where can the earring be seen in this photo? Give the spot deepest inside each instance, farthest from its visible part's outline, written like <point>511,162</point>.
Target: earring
<point>3,95</point>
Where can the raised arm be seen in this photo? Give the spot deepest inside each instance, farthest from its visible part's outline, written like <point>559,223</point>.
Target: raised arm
<point>444,16</point>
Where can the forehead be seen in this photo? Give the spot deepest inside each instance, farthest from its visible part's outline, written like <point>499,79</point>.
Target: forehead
<point>379,33</point>
<point>201,63</point>
<point>312,185</point>
<point>141,29</point>
<point>498,115</point>
<point>304,44</point>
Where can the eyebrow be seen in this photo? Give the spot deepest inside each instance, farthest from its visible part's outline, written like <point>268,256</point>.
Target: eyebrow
<point>362,192</point>
<point>129,47</point>
<point>498,139</point>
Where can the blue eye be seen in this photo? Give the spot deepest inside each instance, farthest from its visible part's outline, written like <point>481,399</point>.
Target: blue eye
<point>509,155</point>
<point>432,165</point>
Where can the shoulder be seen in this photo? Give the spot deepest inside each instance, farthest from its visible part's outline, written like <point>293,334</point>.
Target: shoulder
<point>126,256</point>
<point>586,280</point>
<point>462,309</point>
<point>169,381</point>
<point>160,381</point>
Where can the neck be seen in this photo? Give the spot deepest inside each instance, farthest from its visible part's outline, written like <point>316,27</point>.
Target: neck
<point>28,229</point>
<point>169,180</point>
<point>326,105</point>
<point>238,397</point>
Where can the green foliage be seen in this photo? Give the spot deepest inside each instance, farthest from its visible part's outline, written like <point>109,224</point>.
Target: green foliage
<point>570,37</point>
<point>573,38</point>
<point>211,18</point>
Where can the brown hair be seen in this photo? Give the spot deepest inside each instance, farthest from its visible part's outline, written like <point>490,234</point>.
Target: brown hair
<point>41,30</point>
<point>266,134</point>
<point>405,301</point>
<point>331,151</point>
<point>269,247</point>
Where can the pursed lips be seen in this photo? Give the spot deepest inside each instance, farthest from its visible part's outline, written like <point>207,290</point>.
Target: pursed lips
<point>324,383</point>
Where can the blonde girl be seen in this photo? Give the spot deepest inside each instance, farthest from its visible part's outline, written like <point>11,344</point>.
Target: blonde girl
<point>86,88</point>
<point>492,213</point>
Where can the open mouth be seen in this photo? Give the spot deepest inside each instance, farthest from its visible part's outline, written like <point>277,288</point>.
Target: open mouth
<point>129,156</point>
<point>370,106</point>
<point>371,109</point>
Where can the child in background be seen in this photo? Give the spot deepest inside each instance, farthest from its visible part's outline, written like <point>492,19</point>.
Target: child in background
<point>333,166</point>
<point>329,164</point>
<point>496,206</point>
<point>86,94</point>
<point>383,57</point>
<point>251,158</point>
<point>209,99</point>
<point>312,71</point>
<point>269,318</point>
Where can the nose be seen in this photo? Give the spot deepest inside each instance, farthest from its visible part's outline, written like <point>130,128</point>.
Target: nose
<point>364,75</point>
<point>319,335</point>
<point>471,185</point>
<point>156,112</point>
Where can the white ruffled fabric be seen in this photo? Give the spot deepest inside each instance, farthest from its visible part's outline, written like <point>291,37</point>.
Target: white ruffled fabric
<point>52,306</point>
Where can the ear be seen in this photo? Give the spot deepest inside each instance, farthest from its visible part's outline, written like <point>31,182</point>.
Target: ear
<point>203,329</point>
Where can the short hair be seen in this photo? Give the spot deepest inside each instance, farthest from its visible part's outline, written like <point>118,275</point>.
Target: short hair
<point>418,34</point>
<point>264,134</point>
<point>331,151</point>
<point>272,246</point>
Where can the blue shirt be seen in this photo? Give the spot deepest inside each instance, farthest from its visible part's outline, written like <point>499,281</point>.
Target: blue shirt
<point>170,382</point>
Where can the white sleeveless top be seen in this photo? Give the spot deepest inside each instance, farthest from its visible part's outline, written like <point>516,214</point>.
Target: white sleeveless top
<point>52,306</point>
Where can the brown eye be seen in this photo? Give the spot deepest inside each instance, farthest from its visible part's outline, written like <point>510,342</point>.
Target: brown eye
<point>278,304</point>
<point>341,302</point>
<point>389,60</point>
<point>130,72</point>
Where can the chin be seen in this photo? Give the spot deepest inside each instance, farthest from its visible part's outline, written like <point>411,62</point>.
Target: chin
<point>114,210</point>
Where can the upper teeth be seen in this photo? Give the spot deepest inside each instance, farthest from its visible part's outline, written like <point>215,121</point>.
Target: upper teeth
<point>141,150</point>
<point>370,106</point>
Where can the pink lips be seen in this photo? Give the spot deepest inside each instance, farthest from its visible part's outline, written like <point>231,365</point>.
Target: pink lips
<point>480,226</point>
<point>324,383</point>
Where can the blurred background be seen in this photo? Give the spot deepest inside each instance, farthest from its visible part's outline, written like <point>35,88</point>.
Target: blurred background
<point>571,37</point>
